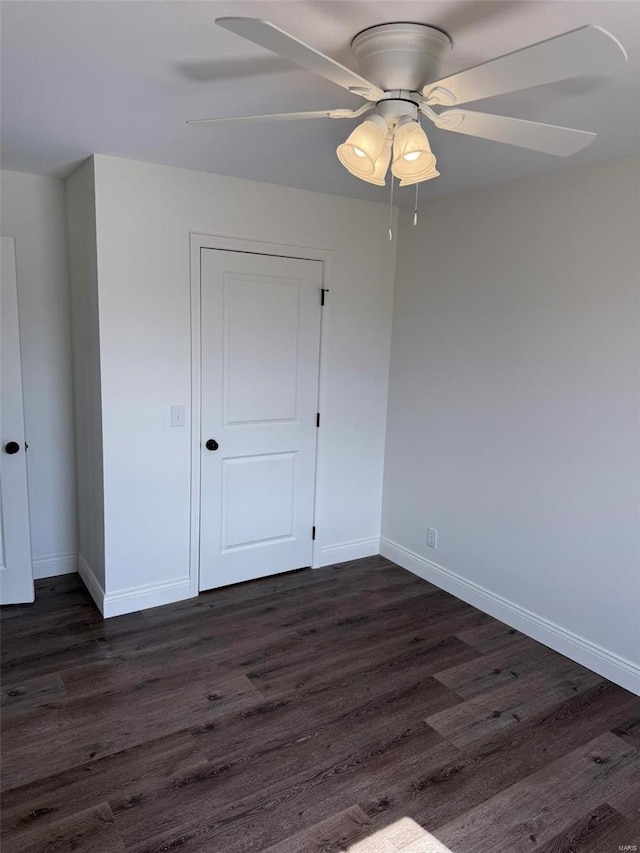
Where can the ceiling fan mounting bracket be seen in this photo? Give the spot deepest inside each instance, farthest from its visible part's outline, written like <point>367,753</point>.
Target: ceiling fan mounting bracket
<point>448,120</point>
<point>401,55</point>
<point>440,95</point>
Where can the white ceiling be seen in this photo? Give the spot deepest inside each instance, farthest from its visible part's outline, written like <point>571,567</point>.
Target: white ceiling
<point>121,78</point>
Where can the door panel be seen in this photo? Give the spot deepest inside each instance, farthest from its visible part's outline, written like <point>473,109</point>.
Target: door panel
<point>259,499</point>
<point>16,574</point>
<point>260,359</point>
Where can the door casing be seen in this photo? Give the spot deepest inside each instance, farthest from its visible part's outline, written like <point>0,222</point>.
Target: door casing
<point>233,244</point>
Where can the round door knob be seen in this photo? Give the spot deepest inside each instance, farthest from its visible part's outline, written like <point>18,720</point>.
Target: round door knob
<point>212,444</point>
<point>11,447</point>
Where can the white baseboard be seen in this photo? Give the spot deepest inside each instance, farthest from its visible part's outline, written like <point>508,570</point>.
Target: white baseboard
<point>91,582</point>
<point>53,565</point>
<point>617,669</point>
<point>134,598</point>
<point>344,551</point>
<point>145,596</point>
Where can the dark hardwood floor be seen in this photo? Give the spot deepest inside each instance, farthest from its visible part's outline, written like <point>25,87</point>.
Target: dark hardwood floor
<point>352,708</point>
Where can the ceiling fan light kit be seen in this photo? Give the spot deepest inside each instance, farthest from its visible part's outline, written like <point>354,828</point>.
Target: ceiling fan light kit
<point>364,146</point>
<point>413,159</point>
<point>382,164</point>
<point>400,82</point>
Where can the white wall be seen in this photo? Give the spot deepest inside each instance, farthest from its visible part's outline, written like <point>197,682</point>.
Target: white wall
<point>145,214</point>
<point>33,212</point>
<point>80,198</point>
<point>513,421</point>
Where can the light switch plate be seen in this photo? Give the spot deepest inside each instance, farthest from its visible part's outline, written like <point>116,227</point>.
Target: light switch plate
<point>177,416</point>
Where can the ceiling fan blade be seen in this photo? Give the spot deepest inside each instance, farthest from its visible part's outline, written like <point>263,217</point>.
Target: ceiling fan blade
<point>339,113</point>
<point>587,51</point>
<point>273,38</point>
<point>534,135</point>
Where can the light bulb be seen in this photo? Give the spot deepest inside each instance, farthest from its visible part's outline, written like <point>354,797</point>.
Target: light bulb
<point>412,155</point>
<point>358,152</point>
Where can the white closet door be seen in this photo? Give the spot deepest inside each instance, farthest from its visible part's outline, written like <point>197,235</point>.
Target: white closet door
<point>260,363</point>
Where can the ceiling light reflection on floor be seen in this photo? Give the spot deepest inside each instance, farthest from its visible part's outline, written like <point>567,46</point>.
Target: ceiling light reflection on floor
<point>403,836</point>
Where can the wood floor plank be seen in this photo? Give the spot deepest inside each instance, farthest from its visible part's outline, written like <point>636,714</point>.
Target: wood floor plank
<point>494,669</point>
<point>90,729</point>
<point>395,661</point>
<point>303,712</point>
<point>26,743</point>
<point>316,662</point>
<point>130,774</point>
<point>304,753</point>
<point>342,576</point>
<point>51,650</point>
<point>89,831</point>
<point>383,825</point>
<point>491,637</point>
<point>55,596</point>
<point>491,766</point>
<point>627,802</point>
<point>401,836</point>
<point>629,730</point>
<point>268,817</point>
<point>360,619</point>
<point>332,833</point>
<point>31,694</point>
<point>541,806</point>
<point>192,648</point>
<point>273,609</point>
<point>371,575</point>
<point>506,707</point>
<point>598,831</point>
<point>294,716</point>
<point>146,675</point>
<point>22,662</point>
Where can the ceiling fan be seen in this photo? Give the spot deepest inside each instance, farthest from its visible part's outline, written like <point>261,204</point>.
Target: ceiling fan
<point>400,83</point>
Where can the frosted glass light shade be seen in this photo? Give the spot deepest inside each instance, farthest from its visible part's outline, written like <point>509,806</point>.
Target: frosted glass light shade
<point>381,166</point>
<point>413,159</point>
<point>364,146</point>
<point>426,176</point>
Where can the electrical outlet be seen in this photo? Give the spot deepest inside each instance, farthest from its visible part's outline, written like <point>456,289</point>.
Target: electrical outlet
<point>432,537</point>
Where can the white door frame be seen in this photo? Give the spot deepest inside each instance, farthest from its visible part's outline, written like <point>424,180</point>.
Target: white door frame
<point>233,244</point>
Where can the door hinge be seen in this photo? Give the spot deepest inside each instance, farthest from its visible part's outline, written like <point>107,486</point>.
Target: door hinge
<point>313,533</point>
<point>323,290</point>
<point>318,419</point>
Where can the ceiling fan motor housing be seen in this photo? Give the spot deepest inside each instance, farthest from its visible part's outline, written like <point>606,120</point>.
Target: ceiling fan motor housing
<point>401,55</point>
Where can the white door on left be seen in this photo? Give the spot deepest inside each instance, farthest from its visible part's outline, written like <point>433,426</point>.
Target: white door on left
<point>16,574</point>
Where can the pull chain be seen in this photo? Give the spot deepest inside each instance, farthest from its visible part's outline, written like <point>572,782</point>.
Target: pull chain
<point>391,211</point>
<point>415,207</point>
